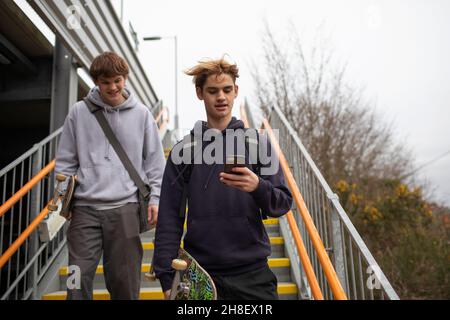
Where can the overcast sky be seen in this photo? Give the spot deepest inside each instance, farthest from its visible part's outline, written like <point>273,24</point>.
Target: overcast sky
<point>399,50</point>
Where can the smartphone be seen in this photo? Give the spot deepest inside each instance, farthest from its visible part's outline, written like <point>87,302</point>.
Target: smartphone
<point>233,161</point>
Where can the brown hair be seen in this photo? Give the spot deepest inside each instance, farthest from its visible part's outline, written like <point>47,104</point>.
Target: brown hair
<point>108,64</point>
<point>205,68</point>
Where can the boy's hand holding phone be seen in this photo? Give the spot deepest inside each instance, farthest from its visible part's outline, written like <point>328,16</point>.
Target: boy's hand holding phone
<point>238,176</point>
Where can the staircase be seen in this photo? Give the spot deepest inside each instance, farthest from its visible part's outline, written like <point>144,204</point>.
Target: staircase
<point>316,251</point>
<point>278,262</point>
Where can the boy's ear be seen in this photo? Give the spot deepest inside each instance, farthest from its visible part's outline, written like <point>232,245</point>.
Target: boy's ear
<point>199,92</point>
<point>236,89</point>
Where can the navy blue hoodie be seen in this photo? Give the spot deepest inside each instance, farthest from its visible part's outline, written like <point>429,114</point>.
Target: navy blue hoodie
<point>225,231</point>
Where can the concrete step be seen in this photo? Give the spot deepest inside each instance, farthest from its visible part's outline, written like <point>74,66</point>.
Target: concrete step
<point>277,246</point>
<point>272,228</point>
<point>279,266</point>
<point>286,291</point>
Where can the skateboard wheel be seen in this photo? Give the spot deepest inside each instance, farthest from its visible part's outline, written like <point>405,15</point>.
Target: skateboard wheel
<point>60,177</point>
<point>179,264</point>
<point>52,207</point>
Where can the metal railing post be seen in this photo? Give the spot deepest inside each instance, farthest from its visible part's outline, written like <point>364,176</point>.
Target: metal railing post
<point>338,252</point>
<point>35,208</point>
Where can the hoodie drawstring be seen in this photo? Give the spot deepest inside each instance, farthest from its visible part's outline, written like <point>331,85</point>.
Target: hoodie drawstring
<point>114,124</point>
<point>106,139</point>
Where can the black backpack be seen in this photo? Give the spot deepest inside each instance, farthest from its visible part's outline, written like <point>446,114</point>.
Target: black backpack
<point>186,170</point>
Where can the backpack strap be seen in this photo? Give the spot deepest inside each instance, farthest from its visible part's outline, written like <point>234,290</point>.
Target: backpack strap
<point>187,171</point>
<point>256,165</point>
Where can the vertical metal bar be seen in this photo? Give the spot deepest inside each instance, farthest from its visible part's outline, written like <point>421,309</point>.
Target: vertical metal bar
<point>317,222</point>
<point>2,221</point>
<point>35,207</point>
<point>361,280</point>
<point>313,212</point>
<point>338,243</point>
<point>352,267</point>
<point>19,231</point>
<point>324,206</point>
<point>45,189</point>
<point>11,231</point>
<point>27,222</point>
<point>306,198</point>
<point>371,293</point>
<point>344,256</point>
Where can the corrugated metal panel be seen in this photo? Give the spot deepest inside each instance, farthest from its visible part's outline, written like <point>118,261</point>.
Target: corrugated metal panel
<point>90,27</point>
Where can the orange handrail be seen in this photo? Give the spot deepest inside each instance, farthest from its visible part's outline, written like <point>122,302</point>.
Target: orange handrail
<point>303,254</point>
<point>26,188</point>
<point>324,260</point>
<point>23,236</point>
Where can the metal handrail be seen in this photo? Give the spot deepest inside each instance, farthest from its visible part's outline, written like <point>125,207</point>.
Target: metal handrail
<point>30,152</point>
<point>304,258</point>
<point>26,188</point>
<point>333,280</point>
<point>355,266</point>
<point>23,236</point>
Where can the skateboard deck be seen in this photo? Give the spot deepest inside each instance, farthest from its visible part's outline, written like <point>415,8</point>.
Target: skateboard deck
<point>191,281</point>
<point>63,196</point>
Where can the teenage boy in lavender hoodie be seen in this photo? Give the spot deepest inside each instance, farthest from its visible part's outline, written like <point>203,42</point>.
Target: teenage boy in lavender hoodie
<point>225,231</point>
<point>105,216</point>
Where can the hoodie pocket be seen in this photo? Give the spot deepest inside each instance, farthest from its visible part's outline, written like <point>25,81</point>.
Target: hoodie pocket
<point>219,240</point>
<point>104,183</point>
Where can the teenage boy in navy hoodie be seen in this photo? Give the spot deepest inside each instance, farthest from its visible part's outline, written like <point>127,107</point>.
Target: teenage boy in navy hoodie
<point>225,231</point>
<point>105,217</point>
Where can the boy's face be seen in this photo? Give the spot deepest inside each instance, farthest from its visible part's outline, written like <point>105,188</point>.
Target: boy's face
<point>111,89</point>
<point>218,94</point>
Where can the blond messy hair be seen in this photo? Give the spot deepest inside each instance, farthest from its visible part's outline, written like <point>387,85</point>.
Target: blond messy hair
<point>205,68</point>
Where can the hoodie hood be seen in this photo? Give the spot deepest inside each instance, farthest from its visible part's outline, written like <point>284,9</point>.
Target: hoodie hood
<point>198,131</point>
<point>94,97</point>
<point>112,114</point>
<point>201,126</point>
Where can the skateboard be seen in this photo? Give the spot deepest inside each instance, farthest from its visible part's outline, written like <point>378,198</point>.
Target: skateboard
<point>191,281</point>
<point>63,196</point>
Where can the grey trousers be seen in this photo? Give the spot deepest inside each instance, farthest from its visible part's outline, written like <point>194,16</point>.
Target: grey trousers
<point>115,233</point>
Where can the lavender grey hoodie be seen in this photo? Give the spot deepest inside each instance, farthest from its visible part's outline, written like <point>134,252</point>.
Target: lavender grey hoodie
<point>84,150</point>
